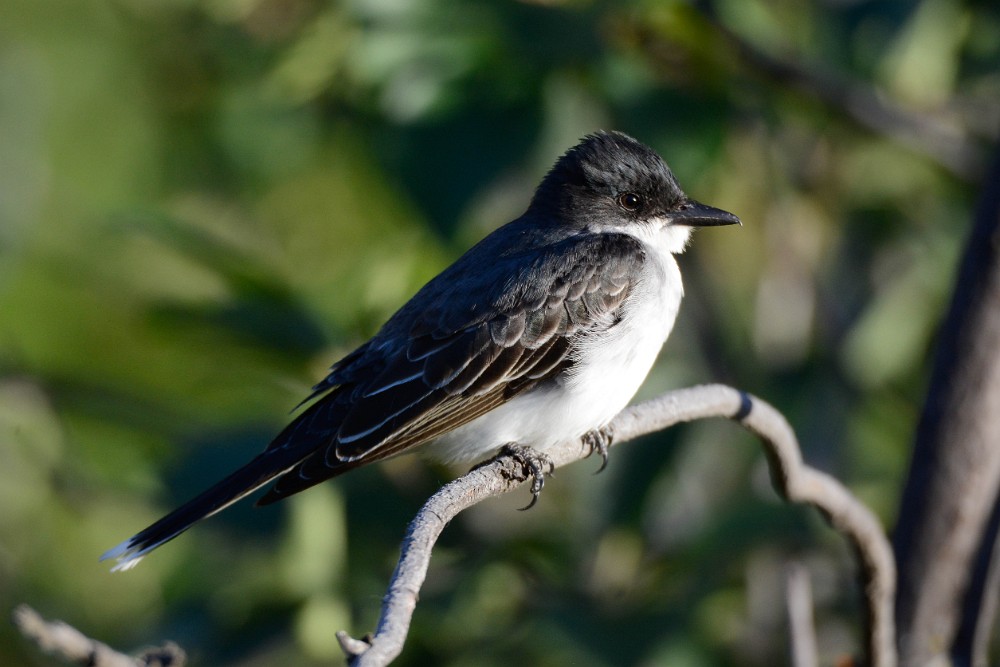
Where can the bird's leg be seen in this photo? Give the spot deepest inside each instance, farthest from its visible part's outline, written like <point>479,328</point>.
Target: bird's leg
<point>599,440</point>
<point>534,463</point>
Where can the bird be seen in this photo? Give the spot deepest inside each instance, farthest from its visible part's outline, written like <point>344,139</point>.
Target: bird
<point>540,333</point>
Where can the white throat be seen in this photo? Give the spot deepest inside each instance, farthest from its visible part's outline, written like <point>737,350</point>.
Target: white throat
<point>663,235</point>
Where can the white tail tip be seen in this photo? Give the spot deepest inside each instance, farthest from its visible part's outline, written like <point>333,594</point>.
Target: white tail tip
<point>127,554</point>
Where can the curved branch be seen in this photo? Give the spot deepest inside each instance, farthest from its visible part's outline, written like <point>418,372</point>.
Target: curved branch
<point>791,478</point>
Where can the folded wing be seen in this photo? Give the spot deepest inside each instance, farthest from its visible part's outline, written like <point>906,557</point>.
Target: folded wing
<point>482,342</point>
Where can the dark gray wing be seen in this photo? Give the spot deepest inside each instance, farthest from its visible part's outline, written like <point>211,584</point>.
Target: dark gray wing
<point>489,334</point>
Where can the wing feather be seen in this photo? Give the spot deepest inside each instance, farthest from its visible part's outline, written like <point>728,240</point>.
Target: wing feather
<point>506,331</point>
<point>441,369</point>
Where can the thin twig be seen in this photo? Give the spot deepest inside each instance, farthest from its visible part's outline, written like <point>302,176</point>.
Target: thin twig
<point>801,631</point>
<point>792,479</point>
<point>69,644</point>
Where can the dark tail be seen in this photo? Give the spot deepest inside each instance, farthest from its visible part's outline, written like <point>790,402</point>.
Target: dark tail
<point>307,435</point>
<point>244,481</point>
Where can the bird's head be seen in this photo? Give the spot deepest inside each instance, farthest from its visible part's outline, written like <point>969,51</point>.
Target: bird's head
<point>611,182</point>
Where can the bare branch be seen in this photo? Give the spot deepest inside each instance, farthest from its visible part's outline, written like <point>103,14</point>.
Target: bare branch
<point>66,642</point>
<point>794,480</point>
<point>791,478</point>
<point>979,610</point>
<point>945,537</point>
<point>801,631</point>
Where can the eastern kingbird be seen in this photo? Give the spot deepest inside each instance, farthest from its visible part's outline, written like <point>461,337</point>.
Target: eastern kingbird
<point>539,334</point>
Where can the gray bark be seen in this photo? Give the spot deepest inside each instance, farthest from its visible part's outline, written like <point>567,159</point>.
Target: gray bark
<point>945,537</point>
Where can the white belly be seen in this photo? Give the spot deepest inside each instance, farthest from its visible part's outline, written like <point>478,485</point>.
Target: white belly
<point>609,372</point>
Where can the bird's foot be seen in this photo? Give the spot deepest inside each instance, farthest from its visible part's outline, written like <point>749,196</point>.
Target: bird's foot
<point>599,440</point>
<point>535,464</point>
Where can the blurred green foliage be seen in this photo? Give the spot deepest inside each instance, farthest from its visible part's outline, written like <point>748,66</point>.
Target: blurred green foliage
<point>203,203</point>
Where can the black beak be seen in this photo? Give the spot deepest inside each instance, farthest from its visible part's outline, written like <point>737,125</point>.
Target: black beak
<point>696,214</point>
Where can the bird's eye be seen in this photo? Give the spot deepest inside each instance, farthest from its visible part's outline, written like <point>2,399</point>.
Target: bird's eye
<point>630,201</point>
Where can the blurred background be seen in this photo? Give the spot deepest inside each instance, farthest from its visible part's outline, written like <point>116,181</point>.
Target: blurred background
<point>204,203</point>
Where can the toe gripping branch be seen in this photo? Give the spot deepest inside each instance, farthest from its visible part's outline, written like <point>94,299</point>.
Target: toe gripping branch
<point>599,440</point>
<point>534,463</point>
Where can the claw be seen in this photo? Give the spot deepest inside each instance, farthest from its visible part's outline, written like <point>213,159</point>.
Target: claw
<point>599,440</point>
<point>535,463</point>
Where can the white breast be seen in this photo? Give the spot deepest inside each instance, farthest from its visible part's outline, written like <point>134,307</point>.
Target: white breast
<point>610,368</point>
